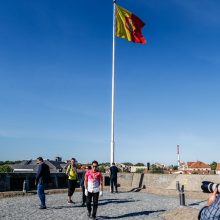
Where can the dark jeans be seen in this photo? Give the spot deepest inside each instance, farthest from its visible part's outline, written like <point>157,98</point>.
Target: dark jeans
<point>113,182</point>
<point>71,187</point>
<point>41,194</point>
<point>95,197</point>
<point>83,195</point>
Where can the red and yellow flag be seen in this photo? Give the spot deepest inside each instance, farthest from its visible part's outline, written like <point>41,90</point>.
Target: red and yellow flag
<point>128,25</point>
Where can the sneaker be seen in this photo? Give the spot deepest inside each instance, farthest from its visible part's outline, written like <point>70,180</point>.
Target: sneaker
<point>70,202</point>
<point>42,207</point>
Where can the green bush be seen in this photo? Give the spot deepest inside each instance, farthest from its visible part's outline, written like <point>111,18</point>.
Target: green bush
<point>5,169</point>
<point>139,170</point>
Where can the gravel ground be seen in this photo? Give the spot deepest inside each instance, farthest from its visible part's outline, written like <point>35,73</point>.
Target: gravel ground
<point>124,205</point>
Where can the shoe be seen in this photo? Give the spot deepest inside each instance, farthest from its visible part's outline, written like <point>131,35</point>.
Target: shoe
<point>89,214</point>
<point>42,207</point>
<point>93,217</point>
<point>71,202</point>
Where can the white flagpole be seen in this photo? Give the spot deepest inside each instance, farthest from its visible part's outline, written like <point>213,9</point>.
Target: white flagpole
<point>113,89</point>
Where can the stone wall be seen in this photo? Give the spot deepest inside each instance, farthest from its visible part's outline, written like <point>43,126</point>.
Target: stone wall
<point>166,181</point>
<point>14,181</point>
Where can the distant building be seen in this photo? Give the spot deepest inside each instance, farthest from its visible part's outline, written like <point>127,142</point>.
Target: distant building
<point>217,169</point>
<point>32,166</point>
<point>159,165</point>
<point>135,168</point>
<point>194,167</point>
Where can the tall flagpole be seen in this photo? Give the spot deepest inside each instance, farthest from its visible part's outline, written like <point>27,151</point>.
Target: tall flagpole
<point>113,89</point>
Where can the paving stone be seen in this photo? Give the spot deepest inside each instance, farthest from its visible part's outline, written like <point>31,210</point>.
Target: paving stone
<point>124,205</point>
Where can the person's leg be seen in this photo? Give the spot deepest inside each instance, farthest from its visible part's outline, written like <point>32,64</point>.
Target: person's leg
<point>74,185</point>
<point>70,190</point>
<point>88,203</point>
<point>41,194</point>
<point>95,204</point>
<point>83,195</point>
<point>111,184</point>
<point>115,184</point>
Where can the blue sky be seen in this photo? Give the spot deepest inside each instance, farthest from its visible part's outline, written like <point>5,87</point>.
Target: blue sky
<point>55,81</point>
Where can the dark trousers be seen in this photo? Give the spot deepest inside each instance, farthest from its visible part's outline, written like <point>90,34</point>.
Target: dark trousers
<point>95,197</point>
<point>83,195</point>
<point>113,183</point>
<point>71,187</point>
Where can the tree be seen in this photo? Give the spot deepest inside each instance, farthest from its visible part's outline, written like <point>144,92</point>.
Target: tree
<point>155,169</point>
<point>173,167</point>
<point>105,164</point>
<point>128,164</point>
<point>139,164</point>
<point>102,169</point>
<point>139,171</point>
<point>213,165</point>
<point>5,169</point>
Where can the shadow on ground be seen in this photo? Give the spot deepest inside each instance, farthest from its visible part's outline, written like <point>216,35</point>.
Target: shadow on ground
<point>116,201</point>
<point>197,203</point>
<point>132,214</point>
<point>101,202</point>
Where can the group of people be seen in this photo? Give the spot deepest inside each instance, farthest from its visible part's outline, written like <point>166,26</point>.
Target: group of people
<point>92,188</point>
<point>91,183</point>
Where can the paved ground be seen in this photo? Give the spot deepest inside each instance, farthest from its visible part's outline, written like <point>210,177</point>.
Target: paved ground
<point>124,205</point>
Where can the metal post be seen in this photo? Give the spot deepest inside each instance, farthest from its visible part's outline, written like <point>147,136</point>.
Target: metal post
<point>24,186</point>
<point>112,159</point>
<point>178,186</point>
<point>181,193</point>
<point>183,196</point>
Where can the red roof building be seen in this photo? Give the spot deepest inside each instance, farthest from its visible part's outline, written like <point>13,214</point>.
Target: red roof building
<point>197,167</point>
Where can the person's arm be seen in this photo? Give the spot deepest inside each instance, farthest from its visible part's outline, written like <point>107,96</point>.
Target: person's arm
<point>212,198</point>
<point>67,170</point>
<point>39,173</point>
<point>86,184</point>
<point>212,207</point>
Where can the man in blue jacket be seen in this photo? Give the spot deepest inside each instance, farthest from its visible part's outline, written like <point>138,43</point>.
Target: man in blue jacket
<point>42,179</point>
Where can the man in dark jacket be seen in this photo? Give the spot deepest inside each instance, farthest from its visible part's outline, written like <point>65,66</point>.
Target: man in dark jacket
<point>82,184</point>
<point>113,178</point>
<point>42,179</point>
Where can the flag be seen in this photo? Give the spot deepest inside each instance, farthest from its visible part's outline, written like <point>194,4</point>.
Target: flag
<point>128,25</point>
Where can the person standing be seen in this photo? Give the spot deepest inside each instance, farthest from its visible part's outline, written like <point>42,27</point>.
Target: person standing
<point>71,172</point>
<point>82,184</point>
<point>93,188</point>
<point>42,179</point>
<point>113,178</point>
